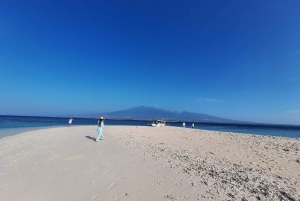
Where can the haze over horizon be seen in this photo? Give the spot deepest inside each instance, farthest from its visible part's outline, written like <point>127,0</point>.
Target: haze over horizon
<point>231,59</point>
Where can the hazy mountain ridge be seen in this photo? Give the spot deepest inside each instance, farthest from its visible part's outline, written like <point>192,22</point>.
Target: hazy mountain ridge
<point>148,113</point>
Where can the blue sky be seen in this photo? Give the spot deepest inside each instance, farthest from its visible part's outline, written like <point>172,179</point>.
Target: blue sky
<point>231,59</point>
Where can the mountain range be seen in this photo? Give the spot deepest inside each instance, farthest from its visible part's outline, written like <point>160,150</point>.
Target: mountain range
<point>149,113</point>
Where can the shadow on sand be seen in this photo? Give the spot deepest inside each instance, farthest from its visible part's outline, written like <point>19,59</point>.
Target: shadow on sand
<point>91,138</point>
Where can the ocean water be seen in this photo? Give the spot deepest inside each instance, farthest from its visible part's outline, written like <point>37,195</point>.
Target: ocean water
<point>15,123</point>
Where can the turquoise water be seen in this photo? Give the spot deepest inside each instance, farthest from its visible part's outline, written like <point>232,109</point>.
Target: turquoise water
<point>9,123</point>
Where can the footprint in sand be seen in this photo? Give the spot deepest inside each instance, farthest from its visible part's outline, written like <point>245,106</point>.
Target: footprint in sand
<point>91,171</point>
<point>74,157</point>
<point>95,197</point>
<point>106,173</point>
<point>54,157</point>
<point>95,182</point>
<point>111,186</point>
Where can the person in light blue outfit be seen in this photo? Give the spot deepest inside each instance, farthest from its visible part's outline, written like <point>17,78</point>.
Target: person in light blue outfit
<point>100,128</point>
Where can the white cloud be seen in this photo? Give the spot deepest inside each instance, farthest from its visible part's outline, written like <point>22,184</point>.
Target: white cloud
<point>298,52</point>
<point>210,100</point>
<point>156,106</point>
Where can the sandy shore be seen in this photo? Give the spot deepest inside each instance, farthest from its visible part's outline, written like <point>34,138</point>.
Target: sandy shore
<point>147,163</point>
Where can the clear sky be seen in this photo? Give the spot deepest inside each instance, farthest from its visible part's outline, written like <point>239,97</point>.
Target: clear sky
<point>228,58</point>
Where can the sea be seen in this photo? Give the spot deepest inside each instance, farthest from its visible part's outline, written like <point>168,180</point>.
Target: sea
<point>10,125</point>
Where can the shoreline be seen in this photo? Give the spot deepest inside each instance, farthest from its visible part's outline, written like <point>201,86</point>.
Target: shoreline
<point>14,131</point>
<point>147,163</point>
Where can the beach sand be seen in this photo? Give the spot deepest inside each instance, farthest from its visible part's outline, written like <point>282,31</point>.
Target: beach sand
<point>147,163</point>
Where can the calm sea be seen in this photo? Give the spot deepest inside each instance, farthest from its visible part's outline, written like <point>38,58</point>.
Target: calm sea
<point>20,123</point>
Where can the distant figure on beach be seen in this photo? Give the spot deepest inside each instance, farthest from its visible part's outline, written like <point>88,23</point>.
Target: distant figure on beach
<point>100,128</point>
<point>183,124</point>
<point>70,122</point>
<point>193,125</point>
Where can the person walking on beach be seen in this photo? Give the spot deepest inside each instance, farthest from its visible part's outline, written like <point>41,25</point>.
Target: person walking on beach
<point>70,122</point>
<point>100,128</point>
<point>183,124</point>
<point>193,125</point>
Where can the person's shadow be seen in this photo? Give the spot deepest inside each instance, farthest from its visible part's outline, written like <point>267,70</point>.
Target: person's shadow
<point>91,138</point>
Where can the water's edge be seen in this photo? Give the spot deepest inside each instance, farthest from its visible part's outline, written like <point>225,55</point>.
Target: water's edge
<point>16,131</point>
<point>11,125</point>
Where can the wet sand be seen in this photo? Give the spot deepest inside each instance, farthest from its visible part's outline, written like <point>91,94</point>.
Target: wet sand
<point>147,163</point>
<point>11,132</point>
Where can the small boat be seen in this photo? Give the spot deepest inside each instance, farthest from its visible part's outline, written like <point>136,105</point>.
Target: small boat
<point>157,123</point>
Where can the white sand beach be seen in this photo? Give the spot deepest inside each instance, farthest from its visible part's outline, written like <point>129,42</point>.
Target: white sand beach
<point>147,163</point>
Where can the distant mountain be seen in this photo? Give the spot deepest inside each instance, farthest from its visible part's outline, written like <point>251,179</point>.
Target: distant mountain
<point>148,113</point>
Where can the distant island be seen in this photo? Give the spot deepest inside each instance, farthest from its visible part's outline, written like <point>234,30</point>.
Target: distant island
<point>150,113</point>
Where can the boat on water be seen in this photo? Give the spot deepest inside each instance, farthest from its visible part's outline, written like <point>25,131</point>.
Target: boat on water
<point>157,123</point>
